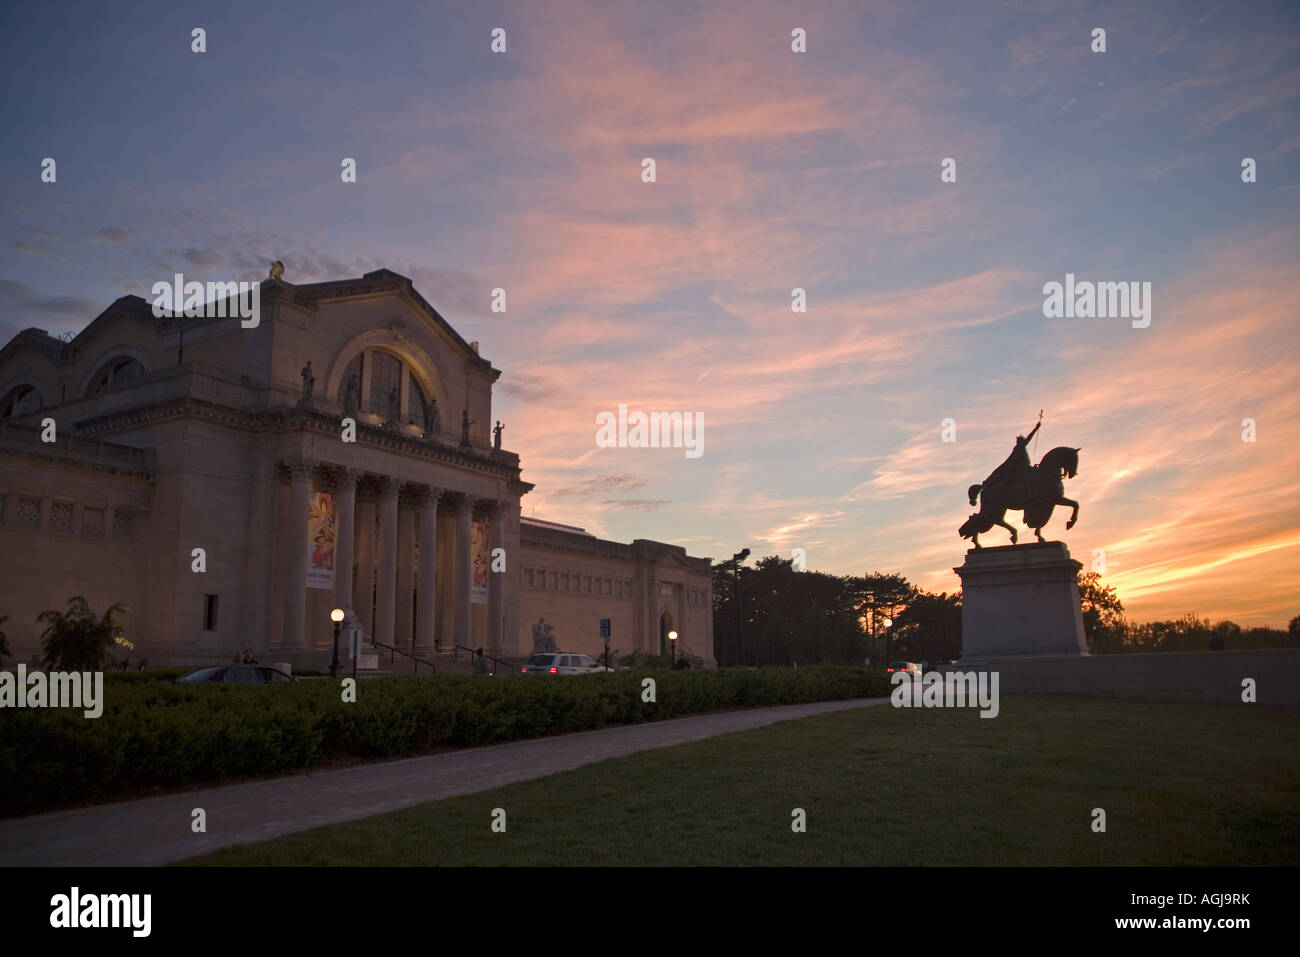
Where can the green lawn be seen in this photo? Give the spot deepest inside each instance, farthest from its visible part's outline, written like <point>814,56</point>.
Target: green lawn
<point>1180,784</point>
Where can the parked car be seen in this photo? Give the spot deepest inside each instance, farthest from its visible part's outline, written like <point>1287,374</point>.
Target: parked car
<point>562,664</point>
<point>236,675</point>
<point>911,667</point>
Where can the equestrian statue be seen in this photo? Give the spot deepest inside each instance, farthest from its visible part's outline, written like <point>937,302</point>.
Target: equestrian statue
<point>1016,485</point>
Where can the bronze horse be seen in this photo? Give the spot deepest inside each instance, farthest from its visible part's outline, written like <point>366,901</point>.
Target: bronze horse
<point>1016,486</point>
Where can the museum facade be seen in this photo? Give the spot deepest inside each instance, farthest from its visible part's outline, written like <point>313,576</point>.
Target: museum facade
<point>233,483</point>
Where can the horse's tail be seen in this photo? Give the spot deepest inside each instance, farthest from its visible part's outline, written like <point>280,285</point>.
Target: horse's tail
<point>973,493</point>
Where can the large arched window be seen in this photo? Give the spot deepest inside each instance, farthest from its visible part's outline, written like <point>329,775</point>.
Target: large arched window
<point>19,401</point>
<point>385,376</point>
<point>415,404</point>
<point>350,387</point>
<point>113,373</point>
<point>371,381</point>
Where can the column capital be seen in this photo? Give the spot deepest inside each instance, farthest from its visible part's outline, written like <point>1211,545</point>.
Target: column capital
<point>426,496</point>
<point>337,478</point>
<point>465,502</point>
<point>389,487</point>
<point>300,470</point>
<point>495,508</point>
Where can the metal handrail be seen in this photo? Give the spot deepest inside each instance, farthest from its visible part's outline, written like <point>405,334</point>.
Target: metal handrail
<point>416,658</point>
<point>509,668</point>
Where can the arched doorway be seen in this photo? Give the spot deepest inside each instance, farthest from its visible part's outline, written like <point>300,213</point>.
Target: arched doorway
<point>665,626</point>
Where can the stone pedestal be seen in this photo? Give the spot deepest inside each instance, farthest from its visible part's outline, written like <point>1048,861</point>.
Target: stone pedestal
<point>1020,601</point>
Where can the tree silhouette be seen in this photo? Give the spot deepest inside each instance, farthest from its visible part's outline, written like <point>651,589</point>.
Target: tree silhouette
<point>1103,615</point>
<point>788,615</point>
<point>77,639</point>
<point>929,628</point>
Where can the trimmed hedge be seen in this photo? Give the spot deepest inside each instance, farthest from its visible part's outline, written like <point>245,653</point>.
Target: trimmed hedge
<point>154,734</point>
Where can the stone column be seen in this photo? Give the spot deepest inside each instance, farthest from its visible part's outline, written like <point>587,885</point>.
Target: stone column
<point>464,568</point>
<point>344,537</point>
<point>386,612</point>
<point>364,596</point>
<point>295,565</point>
<point>497,581</point>
<point>427,602</point>
<point>403,638</point>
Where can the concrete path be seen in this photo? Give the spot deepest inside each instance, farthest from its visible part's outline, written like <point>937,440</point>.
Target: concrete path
<point>156,830</point>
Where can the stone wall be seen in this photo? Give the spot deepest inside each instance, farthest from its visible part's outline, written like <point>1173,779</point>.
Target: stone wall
<point>1185,676</point>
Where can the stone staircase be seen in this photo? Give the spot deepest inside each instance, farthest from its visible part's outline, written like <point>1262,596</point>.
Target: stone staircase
<point>392,663</point>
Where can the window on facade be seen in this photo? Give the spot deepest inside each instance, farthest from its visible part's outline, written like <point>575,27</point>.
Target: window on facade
<point>618,589</point>
<point>28,511</point>
<point>123,523</point>
<point>209,612</point>
<point>385,376</point>
<point>385,373</point>
<point>19,401</point>
<point>351,380</point>
<point>113,374</point>
<point>61,516</point>
<point>415,403</point>
<point>92,520</point>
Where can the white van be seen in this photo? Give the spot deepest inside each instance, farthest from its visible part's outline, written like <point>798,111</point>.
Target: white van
<point>563,663</point>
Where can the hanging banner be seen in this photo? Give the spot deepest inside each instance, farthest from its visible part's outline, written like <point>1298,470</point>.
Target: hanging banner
<point>320,540</point>
<point>481,551</point>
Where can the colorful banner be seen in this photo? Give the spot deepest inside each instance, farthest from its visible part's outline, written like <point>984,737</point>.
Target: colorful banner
<point>481,550</point>
<point>320,540</point>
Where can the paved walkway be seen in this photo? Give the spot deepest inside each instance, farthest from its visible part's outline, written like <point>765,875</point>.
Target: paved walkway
<point>156,830</point>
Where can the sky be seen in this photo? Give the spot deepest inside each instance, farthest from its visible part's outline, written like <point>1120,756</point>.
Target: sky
<point>823,430</point>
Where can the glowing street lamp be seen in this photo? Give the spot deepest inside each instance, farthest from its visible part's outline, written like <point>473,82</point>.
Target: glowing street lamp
<point>336,616</point>
<point>672,638</point>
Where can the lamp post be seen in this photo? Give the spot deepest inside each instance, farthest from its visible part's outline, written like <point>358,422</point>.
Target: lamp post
<point>888,622</point>
<point>336,616</point>
<point>672,643</point>
<point>739,557</point>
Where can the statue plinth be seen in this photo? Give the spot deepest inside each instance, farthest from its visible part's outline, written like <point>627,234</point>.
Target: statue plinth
<point>1020,601</point>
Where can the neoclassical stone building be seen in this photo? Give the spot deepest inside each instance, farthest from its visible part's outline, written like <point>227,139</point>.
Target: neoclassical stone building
<point>204,473</point>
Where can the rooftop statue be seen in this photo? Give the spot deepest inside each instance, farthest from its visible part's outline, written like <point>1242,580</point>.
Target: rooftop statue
<point>350,394</point>
<point>308,382</point>
<point>1016,485</point>
<point>465,423</point>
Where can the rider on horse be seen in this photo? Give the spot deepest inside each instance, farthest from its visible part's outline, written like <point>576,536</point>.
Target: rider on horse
<point>1012,476</point>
